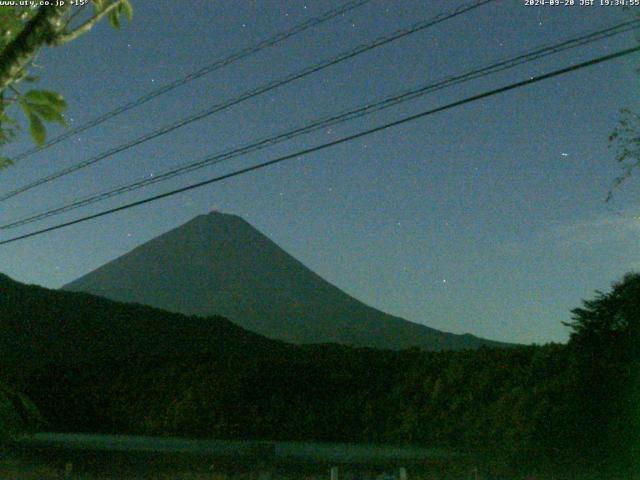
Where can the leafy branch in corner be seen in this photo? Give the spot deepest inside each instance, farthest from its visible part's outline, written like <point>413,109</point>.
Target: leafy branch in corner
<point>24,31</point>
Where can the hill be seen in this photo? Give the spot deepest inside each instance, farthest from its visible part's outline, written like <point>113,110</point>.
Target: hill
<point>40,326</point>
<point>93,365</point>
<point>220,264</point>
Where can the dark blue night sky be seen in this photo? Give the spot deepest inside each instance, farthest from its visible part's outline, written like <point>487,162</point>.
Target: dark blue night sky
<point>489,218</point>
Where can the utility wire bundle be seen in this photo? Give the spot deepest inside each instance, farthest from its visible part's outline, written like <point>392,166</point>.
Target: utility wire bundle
<point>321,123</point>
<point>251,94</point>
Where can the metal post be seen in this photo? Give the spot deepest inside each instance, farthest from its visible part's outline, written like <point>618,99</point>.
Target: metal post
<point>68,471</point>
<point>334,473</point>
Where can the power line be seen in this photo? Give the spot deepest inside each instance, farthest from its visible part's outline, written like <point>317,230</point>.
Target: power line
<point>326,122</point>
<point>218,64</point>
<point>250,94</point>
<point>324,146</point>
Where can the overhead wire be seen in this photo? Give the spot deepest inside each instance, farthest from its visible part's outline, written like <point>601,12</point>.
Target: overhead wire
<point>325,122</point>
<point>349,138</point>
<point>398,34</point>
<point>216,65</point>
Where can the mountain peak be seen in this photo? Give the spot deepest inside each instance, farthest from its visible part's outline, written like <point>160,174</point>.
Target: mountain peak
<point>218,263</point>
<point>218,214</point>
<point>217,217</point>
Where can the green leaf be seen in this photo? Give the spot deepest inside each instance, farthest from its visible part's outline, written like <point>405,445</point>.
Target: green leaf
<point>36,128</point>
<point>5,162</point>
<point>100,5</point>
<point>49,113</point>
<point>127,9</point>
<point>5,119</point>
<point>114,18</point>
<point>45,97</point>
<point>11,24</point>
<point>26,107</point>
<point>8,128</point>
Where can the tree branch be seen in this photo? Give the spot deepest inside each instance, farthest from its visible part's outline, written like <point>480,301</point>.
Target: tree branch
<point>41,30</point>
<point>86,26</point>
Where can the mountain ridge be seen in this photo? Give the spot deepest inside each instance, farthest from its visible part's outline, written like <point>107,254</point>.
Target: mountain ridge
<point>219,264</point>
<point>40,325</point>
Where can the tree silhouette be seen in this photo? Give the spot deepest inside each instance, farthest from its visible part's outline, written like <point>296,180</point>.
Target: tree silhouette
<point>605,344</point>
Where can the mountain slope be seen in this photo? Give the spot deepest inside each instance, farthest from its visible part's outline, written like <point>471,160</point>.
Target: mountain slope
<point>40,326</point>
<point>220,264</point>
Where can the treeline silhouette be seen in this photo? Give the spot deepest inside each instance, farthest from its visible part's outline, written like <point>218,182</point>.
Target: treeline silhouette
<point>568,408</point>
